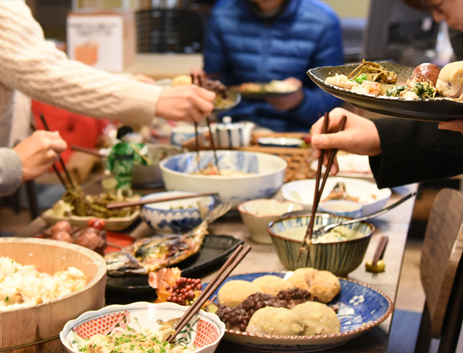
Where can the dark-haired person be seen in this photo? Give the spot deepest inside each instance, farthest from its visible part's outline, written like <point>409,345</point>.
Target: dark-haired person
<point>402,151</point>
<point>265,40</point>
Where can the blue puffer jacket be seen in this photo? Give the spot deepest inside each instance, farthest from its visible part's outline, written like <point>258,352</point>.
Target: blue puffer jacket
<point>242,48</point>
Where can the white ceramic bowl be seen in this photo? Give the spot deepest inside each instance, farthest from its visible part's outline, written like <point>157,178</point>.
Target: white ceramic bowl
<point>177,216</point>
<point>342,208</point>
<point>370,197</point>
<point>205,331</point>
<point>257,214</point>
<point>266,174</point>
<point>149,176</point>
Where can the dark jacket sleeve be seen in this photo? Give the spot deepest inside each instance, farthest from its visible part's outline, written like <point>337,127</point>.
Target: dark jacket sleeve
<point>329,52</point>
<point>413,151</point>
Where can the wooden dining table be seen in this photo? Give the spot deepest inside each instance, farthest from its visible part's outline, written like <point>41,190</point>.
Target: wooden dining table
<point>263,258</point>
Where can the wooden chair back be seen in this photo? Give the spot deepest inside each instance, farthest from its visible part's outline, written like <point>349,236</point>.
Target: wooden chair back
<point>440,262</point>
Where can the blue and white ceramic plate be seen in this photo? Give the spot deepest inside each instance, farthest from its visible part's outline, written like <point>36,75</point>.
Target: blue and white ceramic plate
<point>361,308</point>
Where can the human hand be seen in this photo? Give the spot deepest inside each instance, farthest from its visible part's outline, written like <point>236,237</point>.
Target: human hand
<point>452,125</point>
<point>359,136</point>
<point>39,152</point>
<point>189,103</point>
<point>288,101</point>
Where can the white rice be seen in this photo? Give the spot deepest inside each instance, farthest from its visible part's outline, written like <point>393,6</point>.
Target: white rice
<point>22,286</point>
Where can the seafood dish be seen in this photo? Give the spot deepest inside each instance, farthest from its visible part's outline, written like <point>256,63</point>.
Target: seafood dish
<point>339,192</point>
<point>426,82</point>
<point>151,254</point>
<point>24,285</point>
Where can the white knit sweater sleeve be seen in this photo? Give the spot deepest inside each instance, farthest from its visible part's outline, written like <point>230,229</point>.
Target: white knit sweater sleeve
<point>30,64</point>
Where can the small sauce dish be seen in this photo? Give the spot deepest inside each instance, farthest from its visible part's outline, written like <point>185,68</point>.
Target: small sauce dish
<point>257,214</point>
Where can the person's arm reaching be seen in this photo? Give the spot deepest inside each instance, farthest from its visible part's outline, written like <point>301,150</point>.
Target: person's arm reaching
<point>30,64</point>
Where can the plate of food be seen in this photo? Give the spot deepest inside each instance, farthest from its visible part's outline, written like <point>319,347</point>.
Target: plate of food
<point>422,93</point>
<point>350,165</point>
<point>225,99</point>
<point>264,90</point>
<point>321,311</point>
<point>215,249</point>
<point>359,191</point>
<point>79,208</point>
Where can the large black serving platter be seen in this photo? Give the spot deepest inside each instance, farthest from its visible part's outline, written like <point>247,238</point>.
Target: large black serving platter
<point>215,250</point>
<point>436,109</point>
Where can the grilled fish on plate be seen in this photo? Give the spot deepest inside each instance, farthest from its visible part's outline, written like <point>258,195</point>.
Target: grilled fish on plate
<point>151,254</point>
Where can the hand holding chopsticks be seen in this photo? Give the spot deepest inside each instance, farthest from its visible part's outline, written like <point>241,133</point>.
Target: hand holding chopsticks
<point>197,80</point>
<point>219,277</point>
<point>319,189</point>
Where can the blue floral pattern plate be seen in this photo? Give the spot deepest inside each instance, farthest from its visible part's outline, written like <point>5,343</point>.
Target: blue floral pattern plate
<point>361,308</point>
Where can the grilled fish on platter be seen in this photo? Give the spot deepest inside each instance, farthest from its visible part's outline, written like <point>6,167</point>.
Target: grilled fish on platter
<point>151,254</point>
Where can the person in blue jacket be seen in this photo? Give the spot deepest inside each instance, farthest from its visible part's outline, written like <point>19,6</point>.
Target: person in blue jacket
<point>264,40</point>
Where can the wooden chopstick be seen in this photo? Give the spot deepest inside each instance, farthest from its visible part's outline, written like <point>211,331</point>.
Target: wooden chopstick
<point>45,125</point>
<point>196,128</point>
<point>90,151</point>
<point>380,248</point>
<point>145,202</point>
<point>220,276</point>
<point>58,174</point>
<point>319,190</point>
<point>309,231</point>
<point>211,137</point>
<point>342,124</point>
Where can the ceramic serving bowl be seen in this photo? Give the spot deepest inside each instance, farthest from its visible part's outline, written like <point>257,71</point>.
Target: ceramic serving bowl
<point>369,196</point>
<point>204,331</point>
<point>177,216</point>
<point>338,257</point>
<point>264,174</point>
<point>257,214</point>
<point>342,208</point>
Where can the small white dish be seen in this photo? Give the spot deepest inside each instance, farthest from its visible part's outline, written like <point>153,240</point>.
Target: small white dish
<point>369,196</point>
<point>257,214</point>
<point>342,208</point>
<point>280,142</point>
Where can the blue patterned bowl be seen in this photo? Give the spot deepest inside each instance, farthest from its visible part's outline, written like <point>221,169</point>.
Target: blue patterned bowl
<point>177,216</point>
<point>361,308</point>
<point>265,174</point>
<point>338,257</point>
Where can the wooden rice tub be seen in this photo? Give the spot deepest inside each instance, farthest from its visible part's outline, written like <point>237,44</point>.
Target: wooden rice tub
<point>36,329</point>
